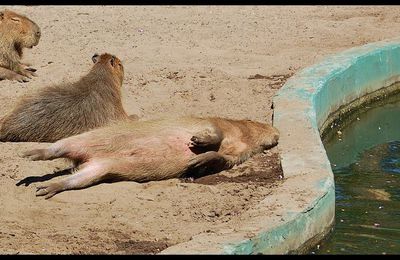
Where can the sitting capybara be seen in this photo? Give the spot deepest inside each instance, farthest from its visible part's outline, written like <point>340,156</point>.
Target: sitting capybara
<point>59,111</point>
<point>155,150</point>
<point>16,33</point>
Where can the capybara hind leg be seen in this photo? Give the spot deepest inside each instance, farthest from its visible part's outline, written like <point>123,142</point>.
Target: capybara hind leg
<point>54,151</point>
<point>207,137</point>
<point>89,174</point>
<point>38,155</point>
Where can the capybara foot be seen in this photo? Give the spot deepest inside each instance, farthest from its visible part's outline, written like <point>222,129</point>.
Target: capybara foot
<point>49,190</point>
<point>31,69</point>
<point>204,139</point>
<point>11,75</point>
<point>199,141</point>
<point>20,78</point>
<point>27,66</point>
<point>28,72</point>
<point>36,155</point>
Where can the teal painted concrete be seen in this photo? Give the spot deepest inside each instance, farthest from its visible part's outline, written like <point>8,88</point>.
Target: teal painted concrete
<point>344,77</point>
<point>306,101</point>
<point>295,228</point>
<point>307,196</point>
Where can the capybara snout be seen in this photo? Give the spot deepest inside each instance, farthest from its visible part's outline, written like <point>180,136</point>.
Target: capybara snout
<point>16,33</point>
<point>29,32</point>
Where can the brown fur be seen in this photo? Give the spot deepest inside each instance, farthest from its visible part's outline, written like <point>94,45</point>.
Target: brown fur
<point>16,33</point>
<point>155,150</point>
<point>56,112</point>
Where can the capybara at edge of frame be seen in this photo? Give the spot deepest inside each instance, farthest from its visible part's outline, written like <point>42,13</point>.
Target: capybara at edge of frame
<point>17,32</point>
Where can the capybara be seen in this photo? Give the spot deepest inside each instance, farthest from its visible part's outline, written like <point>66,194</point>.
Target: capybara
<point>16,33</point>
<point>155,150</point>
<point>59,111</point>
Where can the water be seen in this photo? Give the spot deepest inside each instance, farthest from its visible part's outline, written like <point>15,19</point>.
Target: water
<point>365,158</point>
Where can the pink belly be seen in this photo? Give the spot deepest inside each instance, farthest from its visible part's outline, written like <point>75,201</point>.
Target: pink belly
<point>157,158</point>
<point>163,146</point>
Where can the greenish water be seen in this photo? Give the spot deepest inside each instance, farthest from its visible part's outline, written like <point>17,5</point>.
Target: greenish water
<point>365,159</point>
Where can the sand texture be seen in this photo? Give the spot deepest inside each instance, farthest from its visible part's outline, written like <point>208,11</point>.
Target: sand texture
<point>224,61</point>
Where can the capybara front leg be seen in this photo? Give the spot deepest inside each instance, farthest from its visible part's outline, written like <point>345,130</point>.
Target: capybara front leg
<point>89,174</point>
<point>27,66</point>
<point>29,72</point>
<point>210,161</point>
<point>11,75</point>
<point>207,137</point>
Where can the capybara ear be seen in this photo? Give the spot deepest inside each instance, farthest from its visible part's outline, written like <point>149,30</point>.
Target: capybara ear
<point>112,61</point>
<point>95,58</point>
<point>1,15</point>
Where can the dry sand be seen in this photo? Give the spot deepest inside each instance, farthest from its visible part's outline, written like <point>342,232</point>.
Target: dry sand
<point>179,60</point>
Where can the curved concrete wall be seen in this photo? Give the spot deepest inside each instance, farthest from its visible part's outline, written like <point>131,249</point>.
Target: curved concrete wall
<point>301,211</point>
<point>303,107</point>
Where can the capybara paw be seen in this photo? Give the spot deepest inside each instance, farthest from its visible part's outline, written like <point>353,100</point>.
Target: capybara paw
<point>48,190</point>
<point>35,155</point>
<point>199,141</point>
<point>31,69</point>
<point>28,73</point>
<point>19,78</point>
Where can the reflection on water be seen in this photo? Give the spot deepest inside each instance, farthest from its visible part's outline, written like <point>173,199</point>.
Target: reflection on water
<point>365,160</point>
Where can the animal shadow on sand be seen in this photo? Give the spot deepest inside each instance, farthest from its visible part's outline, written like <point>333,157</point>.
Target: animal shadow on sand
<point>32,179</point>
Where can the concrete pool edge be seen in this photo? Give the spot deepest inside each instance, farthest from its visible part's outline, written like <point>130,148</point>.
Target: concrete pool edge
<point>307,196</point>
<point>307,104</point>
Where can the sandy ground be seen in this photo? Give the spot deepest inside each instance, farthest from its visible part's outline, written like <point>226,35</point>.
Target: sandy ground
<point>180,60</point>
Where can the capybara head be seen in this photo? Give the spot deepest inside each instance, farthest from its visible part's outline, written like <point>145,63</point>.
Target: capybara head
<point>111,62</point>
<point>265,134</point>
<point>25,32</point>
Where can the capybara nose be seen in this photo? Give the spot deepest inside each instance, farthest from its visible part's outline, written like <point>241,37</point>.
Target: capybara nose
<point>38,34</point>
